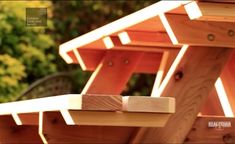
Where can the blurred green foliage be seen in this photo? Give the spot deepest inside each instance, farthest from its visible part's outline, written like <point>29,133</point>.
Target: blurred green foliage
<point>30,53</point>
<point>25,52</point>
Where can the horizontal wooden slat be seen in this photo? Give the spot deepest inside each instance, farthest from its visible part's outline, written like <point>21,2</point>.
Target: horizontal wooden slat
<point>55,130</point>
<point>148,63</point>
<point>211,11</point>
<point>132,21</point>
<point>70,101</point>
<point>143,38</point>
<point>129,119</point>
<point>149,104</point>
<point>212,130</point>
<point>198,33</point>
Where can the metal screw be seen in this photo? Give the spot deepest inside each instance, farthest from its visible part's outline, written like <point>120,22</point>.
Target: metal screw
<point>110,63</point>
<point>231,33</point>
<point>211,37</point>
<point>126,61</point>
<point>178,75</point>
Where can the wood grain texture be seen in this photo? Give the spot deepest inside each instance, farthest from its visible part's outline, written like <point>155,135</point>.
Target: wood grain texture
<point>200,67</point>
<point>129,119</point>
<point>56,131</point>
<point>148,104</point>
<point>200,33</point>
<point>11,133</point>
<point>207,11</point>
<point>102,102</point>
<point>212,105</point>
<point>112,74</point>
<point>202,133</point>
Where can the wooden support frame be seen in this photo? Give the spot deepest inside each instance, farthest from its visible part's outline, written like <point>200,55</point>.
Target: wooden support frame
<point>112,73</point>
<point>197,65</point>
<point>198,33</point>
<point>208,11</point>
<point>148,63</point>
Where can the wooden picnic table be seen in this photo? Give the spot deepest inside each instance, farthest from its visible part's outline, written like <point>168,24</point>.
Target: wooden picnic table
<point>187,44</point>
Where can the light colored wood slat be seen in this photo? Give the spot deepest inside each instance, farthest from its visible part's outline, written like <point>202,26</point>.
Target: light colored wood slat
<point>11,133</point>
<point>129,119</point>
<point>148,104</point>
<point>142,38</point>
<point>206,11</point>
<point>160,73</point>
<point>190,83</point>
<point>126,22</point>
<point>203,131</point>
<point>57,131</point>
<point>115,43</point>
<point>198,33</point>
<point>70,101</point>
<point>112,73</point>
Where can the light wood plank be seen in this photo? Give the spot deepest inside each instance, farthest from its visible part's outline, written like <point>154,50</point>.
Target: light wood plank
<point>70,101</point>
<point>200,67</point>
<point>11,133</point>
<point>129,119</point>
<point>224,12</point>
<point>198,33</point>
<point>204,130</point>
<point>148,104</point>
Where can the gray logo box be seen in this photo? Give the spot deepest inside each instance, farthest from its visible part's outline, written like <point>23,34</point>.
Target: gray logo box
<point>36,17</point>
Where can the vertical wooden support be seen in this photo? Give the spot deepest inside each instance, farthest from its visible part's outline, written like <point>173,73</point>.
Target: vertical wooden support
<point>12,133</point>
<point>113,72</point>
<point>190,82</point>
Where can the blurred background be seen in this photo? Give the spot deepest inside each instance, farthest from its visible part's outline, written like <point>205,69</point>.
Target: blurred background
<point>29,59</point>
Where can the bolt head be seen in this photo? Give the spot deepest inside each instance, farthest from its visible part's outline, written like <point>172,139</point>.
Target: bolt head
<point>211,37</point>
<point>231,33</point>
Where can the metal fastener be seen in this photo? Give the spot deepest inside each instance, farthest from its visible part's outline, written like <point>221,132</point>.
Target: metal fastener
<point>211,37</point>
<point>126,61</point>
<point>110,63</point>
<point>231,33</point>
